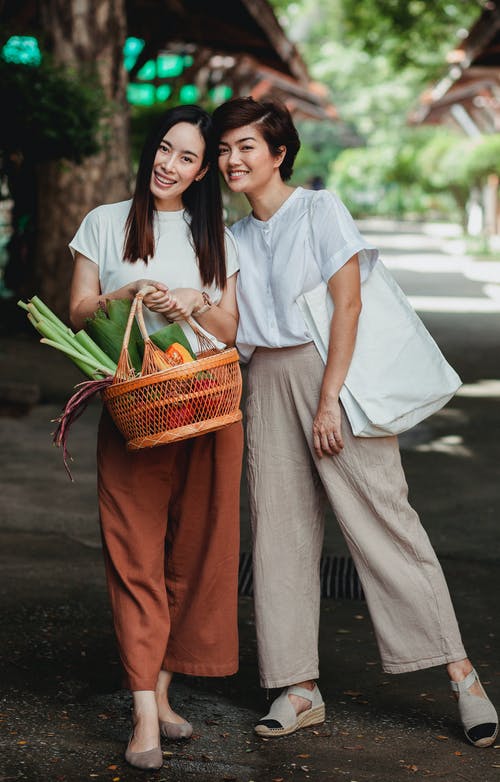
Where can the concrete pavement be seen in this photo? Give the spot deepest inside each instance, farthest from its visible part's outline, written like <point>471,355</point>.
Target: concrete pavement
<point>63,713</point>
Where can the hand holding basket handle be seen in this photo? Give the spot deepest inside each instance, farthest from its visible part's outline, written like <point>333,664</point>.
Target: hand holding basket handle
<point>175,403</point>
<point>154,357</point>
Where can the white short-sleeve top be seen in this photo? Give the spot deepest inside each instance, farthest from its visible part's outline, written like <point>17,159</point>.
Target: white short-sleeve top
<point>309,238</point>
<point>101,236</point>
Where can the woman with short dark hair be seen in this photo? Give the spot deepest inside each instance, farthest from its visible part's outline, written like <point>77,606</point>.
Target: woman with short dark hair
<point>300,441</point>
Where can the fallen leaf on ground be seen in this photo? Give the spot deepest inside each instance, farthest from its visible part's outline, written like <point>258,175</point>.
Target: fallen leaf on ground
<point>353,693</point>
<point>441,738</point>
<point>303,756</point>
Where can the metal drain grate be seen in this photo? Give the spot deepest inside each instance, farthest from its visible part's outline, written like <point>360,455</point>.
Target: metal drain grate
<point>338,577</point>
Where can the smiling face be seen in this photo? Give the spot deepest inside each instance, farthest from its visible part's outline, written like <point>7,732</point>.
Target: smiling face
<point>246,162</point>
<point>177,164</point>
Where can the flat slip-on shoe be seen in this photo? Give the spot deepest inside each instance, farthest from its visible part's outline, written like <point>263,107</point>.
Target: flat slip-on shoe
<point>176,730</point>
<point>282,718</point>
<point>151,760</point>
<point>478,715</point>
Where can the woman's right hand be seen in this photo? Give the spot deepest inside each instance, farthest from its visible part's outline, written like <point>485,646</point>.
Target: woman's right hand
<point>139,284</point>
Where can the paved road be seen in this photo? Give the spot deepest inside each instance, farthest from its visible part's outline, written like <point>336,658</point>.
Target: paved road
<point>63,714</point>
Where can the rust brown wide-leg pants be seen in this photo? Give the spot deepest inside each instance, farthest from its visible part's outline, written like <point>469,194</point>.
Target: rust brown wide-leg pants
<point>170,529</point>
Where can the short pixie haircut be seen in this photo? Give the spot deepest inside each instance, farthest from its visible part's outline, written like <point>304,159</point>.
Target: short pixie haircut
<point>274,122</point>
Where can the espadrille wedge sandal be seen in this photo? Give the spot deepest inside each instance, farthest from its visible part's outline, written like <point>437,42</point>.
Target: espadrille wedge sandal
<point>282,718</point>
<point>478,715</point>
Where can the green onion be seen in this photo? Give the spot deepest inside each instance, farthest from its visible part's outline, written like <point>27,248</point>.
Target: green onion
<point>91,347</point>
<point>90,362</point>
<point>83,351</point>
<point>49,315</point>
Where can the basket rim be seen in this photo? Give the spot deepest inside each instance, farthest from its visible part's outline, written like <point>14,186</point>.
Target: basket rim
<point>221,358</point>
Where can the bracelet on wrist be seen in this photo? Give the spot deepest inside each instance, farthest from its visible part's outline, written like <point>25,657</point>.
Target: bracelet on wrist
<point>207,303</point>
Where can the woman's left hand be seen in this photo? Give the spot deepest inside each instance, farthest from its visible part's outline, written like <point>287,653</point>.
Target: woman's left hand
<point>176,304</point>
<point>327,434</point>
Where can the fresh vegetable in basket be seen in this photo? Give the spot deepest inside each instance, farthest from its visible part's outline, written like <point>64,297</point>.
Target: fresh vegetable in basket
<point>80,347</point>
<point>181,415</point>
<point>169,335</point>
<point>84,352</point>
<point>177,354</point>
<point>107,327</point>
<point>97,351</point>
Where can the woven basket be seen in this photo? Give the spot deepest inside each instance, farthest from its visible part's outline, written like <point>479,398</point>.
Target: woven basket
<point>177,403</point>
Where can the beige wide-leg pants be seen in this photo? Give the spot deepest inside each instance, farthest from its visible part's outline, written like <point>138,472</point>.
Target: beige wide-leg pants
<point>405,589</point>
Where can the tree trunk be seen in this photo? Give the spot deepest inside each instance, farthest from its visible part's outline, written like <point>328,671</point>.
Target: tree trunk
<point>82,33</point>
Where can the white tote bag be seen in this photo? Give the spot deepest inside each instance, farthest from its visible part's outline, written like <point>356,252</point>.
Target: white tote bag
<point>398,376</point>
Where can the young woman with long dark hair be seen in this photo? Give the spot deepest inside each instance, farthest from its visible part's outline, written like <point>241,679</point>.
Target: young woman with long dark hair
<point>299,438</point>
<point>171,551</point>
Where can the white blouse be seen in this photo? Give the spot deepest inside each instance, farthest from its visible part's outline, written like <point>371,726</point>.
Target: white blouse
<point>100,238</point>
<point>309,238</point>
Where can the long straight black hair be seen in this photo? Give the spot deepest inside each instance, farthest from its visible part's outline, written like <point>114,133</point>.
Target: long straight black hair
<point>202,200</point>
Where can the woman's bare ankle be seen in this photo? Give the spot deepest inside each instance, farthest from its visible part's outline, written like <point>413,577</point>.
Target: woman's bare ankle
<point>165,711</point>
<point>308,685</point>
<point>146,733</point>
<point>459,670</point>
<point>302,704</point>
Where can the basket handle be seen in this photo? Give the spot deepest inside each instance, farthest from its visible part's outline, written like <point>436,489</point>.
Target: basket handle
<point>204,342</point>
<point>124,368</point>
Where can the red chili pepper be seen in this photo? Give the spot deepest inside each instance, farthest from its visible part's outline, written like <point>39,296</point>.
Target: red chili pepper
<point>180,416</point>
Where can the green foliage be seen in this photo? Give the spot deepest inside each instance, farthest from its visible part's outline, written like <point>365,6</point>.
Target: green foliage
<point>483,159</point>
<point>376,57</point>
<point>361,177</point>
<point>53,113</point>
<point>442,162</point>
<point>321,143</point>
<point>417,176</point>
<point>409,32</point>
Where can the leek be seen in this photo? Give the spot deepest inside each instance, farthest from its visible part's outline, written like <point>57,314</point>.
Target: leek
<point>83,351</point>
<point>75,355</point>
<point>93,348</point>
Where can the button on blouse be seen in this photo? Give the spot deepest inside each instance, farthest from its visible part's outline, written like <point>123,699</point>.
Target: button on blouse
<point>308,239</point>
